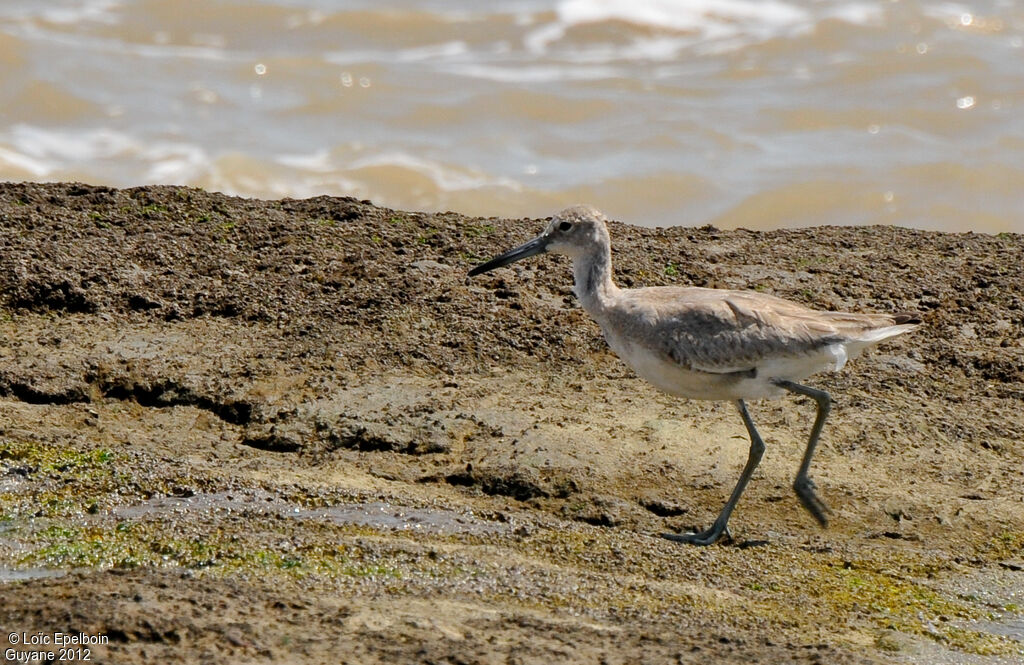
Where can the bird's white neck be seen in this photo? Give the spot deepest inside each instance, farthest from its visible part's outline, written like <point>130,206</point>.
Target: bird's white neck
<point>592,274</point>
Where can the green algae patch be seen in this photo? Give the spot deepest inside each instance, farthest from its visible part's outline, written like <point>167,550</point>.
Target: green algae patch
<point>48,459</point>
<point>129,545</point>
<point>897,601</point>
<point>1006,545</point>
<point>59,481</point>
<point>62,511</point>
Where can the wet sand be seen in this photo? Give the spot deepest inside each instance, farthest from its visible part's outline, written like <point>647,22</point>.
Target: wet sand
<point>242,430</point>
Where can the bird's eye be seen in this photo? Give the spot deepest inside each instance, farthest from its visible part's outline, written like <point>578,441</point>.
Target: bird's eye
<point>565,226</point>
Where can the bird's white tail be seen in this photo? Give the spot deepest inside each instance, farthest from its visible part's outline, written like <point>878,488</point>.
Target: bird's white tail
<point>871,337</point>
<point>878,334</point>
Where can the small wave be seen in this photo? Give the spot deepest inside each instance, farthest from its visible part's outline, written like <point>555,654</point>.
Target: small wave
<point>534,73</point>
<point>951,12</point>
<point>48,152</point>
<point>116,46</point>
<point>712,18</point>
<point>446,177</point>
<point>705,20</point>
<point>21,165</point>
<point>316,162</point>
<point>856,13</point>
<point>439,52</point>
<point>75,12</point>
<point>70,146</point>
<point>709,26</point>
<point>442,51</point>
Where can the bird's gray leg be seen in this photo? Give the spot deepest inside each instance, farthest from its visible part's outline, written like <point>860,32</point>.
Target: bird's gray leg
<point>720,526</point>
<point>802,484</point>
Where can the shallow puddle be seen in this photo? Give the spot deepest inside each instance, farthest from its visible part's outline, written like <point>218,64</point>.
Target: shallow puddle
<point>388,516</point>
<point>23,574</point>
<point>1012,627</point>
<point>998,588</point>
<point>213,502</point>
<point>379,514</point>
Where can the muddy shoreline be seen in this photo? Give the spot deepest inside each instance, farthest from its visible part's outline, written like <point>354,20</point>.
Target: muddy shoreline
<point>246,430</point>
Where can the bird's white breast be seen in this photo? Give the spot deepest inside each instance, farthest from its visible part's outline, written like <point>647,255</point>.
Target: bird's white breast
<point>669,377</point>
<point>666,375</point>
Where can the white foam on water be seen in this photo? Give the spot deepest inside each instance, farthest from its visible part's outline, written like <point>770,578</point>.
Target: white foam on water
<point>707,26</point>
<point>354,57</point>
<point>43,152</point>
<point>69,146</point>
<point>264,181</point>
<point>442,51</point>
<point>33,167</point>
<point>445,177</point>
<point>709,17</point>
<point>75,12</point>
<point>856,13</point>
<point>120,48</point>
<point>705,20</point>
<point>949,12</point>
<point>648,49</point>
<point>518,73</point>
<point>317,162</point>
<point>28,28</point>
<point>174,163</point>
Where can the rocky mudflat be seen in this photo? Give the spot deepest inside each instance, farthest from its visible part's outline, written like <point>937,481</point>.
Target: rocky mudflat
<point>235,430</point>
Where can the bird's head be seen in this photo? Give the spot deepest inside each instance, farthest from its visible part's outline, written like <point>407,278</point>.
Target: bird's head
<point>573,232</point>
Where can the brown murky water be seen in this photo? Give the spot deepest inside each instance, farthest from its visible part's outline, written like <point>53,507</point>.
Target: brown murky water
<point>737,113</point>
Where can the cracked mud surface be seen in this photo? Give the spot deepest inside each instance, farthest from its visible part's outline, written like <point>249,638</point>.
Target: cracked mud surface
<point>241,430</point>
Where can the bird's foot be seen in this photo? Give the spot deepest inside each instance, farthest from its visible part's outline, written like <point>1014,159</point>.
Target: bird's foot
<point>708,537</point>
<point>804,488</point>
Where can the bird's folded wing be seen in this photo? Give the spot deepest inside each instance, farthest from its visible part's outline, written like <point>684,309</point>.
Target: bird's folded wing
<point>736,334</point>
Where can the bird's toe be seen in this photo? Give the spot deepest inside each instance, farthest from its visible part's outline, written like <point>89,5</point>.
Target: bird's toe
<point>804,488</point>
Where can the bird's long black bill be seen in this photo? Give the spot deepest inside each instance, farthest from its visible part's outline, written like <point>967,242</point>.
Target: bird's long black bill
<point>538,245</point>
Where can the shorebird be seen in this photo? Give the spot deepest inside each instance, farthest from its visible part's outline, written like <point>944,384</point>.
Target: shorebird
<point>711,344</point>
